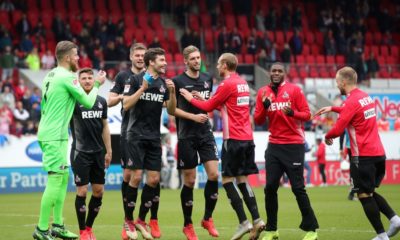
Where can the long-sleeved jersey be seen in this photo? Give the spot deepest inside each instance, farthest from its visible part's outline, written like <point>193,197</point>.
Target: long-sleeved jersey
<point>358,114</point>
<point>284,129</point>
<point>233,96</point>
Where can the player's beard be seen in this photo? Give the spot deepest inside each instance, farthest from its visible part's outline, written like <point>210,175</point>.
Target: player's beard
<point>275,83</point>
<point>74,66</point>
<point>194,68</point>
<point>342,92</point>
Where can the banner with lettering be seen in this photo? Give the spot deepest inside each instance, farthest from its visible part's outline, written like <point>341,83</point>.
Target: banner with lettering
<point>388,104</point>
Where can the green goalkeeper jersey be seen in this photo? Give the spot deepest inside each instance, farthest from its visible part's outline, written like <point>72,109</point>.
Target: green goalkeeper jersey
<point>60,91</point>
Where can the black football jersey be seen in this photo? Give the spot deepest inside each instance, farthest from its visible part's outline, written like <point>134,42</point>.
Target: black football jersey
<point>145,116</point>
<point>87,126</point>
<point>203,84</point>
<point>122,84</point>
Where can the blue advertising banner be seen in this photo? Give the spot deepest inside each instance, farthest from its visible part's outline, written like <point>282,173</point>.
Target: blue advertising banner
<point>34,179</point>
<point>388,104</point>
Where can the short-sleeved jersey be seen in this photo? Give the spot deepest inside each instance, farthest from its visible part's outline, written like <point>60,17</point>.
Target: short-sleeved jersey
<point>87,126</point>
<point>233,98</point>
<point>358,115</point>
<point>145,116</point>
<point>284,129</point>
<point>60,91</point>
<point>122,83</point>
<point>203,84</point>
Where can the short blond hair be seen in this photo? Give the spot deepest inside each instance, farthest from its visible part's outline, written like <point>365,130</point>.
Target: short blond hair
<point>188,50</point>
<point>137,46</point>
<point>63,48</point>
<point>230,60</point>
<point>348,74</point>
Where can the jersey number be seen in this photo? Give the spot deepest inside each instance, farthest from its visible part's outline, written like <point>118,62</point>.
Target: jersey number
<point>47,88</point>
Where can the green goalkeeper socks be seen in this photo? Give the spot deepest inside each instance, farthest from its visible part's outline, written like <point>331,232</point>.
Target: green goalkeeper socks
<point>53,196</point>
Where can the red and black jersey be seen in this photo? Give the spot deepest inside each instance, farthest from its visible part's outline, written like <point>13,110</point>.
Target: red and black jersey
<point>232,98</point>
<point>358,114</point>
<point>284,129</point>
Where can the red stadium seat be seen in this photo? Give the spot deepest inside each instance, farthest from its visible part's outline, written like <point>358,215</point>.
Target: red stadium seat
<point>194,24</point>
<point>168,57</point>
<point>319,38</point>
<point>330,59</point>
<point>155,21</point>
<point>33,18</point>
<point>315,50</point>
<point>100,5</point>
<point>142,19</point>
<point>340,60</point>
<point>209,40</point>
<point>279,37</point>
<point>149,35</point>
<point>141,6</point>
<point>47,19</point>
<point>381,60</point>
<point>249,58</point>
<point>129,21</point>
<point>171,35</point>
<point>309,38</point>
<point>384,50</point>
<point>178,57</point>
<point>306,50</point>
<point>128,35</point>
<point>375,50</point>
<point>377,37</point>
<point>86,5</point>
<point>73,6</point>
<point>394,51</point>
<point>46,5</point>
<point>300,59</point>
<point>320,59</point>
<point>114,6</point>
<point>205,20</point>
<point>230,22</point>
<point>126,6</point>
<point>16,16</point>
<point>243,25</point>
<point>288,36</point>
<point>32,5</point>
<point>310,59</point>
<point>139,35</point>
<point>5,19</point>
<point>368,38</point>
<point>390,60</point>
<point>240,58</point>
<point>160,34</point>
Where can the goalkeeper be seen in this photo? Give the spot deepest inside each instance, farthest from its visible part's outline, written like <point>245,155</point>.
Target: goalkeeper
<point>60,91</point>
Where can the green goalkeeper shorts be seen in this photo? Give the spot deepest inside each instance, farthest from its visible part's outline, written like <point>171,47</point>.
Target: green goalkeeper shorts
<point>54,156</point>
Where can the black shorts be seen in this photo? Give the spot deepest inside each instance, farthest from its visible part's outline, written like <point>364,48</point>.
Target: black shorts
<point>123,150</point>
<point>88,167</point>
<point>238,158</point>
<point>367,173</point>
<point>144,154</point>
<point>285,158</point>
<point>190,150</point>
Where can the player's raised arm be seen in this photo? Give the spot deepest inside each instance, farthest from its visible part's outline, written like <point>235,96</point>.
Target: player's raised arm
<point>87,100</point>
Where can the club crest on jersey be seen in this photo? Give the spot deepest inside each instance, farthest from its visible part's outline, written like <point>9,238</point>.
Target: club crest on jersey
<point>75,82</point>
<point>285,95</point>
<point>206,85</point>
<point>162,89</point>
<point>99,105</point>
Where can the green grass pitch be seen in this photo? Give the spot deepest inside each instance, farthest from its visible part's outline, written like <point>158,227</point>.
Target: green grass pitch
<point>338,217</point>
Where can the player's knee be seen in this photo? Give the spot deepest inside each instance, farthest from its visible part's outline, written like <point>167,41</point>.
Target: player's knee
<point>213,176</point>
<point>190,182</point>
<point>98,192</point>
<point>82,191</point>
<point>135,179</point>
<point>153,180</point>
